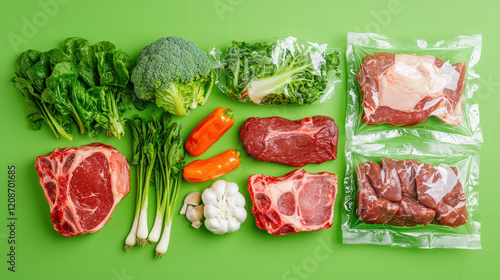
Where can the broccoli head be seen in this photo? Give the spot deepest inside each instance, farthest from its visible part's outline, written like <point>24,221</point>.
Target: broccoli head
<point>173,72</point>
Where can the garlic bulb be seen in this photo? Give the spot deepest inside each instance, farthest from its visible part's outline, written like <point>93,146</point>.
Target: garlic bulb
<point>193,199</point>
<point>195,214</point>
<point>225,207</point>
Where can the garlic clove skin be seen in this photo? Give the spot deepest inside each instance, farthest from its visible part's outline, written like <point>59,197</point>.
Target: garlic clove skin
<point>222,228</point>
<point>240,214</point>
<point>211,211</point>
<point>208,195</point>
<point>231,189</point>
<point>195,215</point>
<point>238,200</point>
<point>196,224</point>
<point>212,224</point>
<point>219,188</point>
<point>193,199</point>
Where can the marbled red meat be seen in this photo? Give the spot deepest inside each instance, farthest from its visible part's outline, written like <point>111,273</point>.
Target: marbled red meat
<point>294,143</point>
<point>372,209</point>
<point>412,213</point>
<point>298,201</point>
<point>83,186</point>
<point>406,172</point>
<point>406,89</point>
<point>426,194</point>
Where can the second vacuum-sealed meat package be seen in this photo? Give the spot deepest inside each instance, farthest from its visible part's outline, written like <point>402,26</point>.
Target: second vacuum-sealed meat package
<point>410,193</point>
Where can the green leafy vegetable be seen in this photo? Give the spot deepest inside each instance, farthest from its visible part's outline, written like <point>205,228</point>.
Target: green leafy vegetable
<point>284,72</point>
<point>78,83</point>
<point>173,72</point>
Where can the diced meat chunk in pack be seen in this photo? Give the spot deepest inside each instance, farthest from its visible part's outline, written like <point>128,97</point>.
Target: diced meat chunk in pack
<point>412,213</point>
<point>372,209</point>
<point>409,193</point>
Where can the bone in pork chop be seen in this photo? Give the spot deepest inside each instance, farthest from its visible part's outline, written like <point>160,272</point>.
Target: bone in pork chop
<point>298,201</point>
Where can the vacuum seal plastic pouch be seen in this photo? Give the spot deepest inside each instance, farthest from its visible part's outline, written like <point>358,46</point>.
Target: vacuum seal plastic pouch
<point>273,72</point>
<point>411,193</point>
<point>414,87</point>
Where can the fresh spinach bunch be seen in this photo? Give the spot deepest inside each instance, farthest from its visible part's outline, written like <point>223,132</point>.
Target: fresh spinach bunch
<point>78,83</point>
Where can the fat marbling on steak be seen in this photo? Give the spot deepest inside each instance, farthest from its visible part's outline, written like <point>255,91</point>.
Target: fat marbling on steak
<point>83,186</point>
<point>406,89</point>
<point>298,201</point>
<point>294,143</point>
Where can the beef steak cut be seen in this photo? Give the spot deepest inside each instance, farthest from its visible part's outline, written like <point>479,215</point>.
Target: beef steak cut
<point>294,143</point>
<point>298,201</point>
<point>83,186</point>
<point>426,194</point>
<point>406,89</point>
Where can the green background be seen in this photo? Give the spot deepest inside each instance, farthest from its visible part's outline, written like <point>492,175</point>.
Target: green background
<point>249,253</point>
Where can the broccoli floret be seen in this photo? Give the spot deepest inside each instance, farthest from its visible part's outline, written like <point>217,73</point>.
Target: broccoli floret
<point>173,72</point>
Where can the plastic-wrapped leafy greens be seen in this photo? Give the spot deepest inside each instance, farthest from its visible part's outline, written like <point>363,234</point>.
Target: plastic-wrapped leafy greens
<point>412,193</point>
<point>286,71</point>
<point>395,86</point>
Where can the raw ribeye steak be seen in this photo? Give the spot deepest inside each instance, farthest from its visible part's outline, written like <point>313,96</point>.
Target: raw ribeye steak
<point>83,186</point>
<point>294,143</point>
<point>406,89</point>
<point>410,193</point>
<point>298,201</point>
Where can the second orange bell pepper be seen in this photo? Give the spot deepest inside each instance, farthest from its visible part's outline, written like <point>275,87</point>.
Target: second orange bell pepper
<point>204,170</point>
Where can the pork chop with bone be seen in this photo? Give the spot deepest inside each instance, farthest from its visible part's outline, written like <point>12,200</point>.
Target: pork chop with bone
<point>298,201</point>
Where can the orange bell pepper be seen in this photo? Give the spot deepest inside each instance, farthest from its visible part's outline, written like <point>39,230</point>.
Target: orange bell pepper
<point>204,170</point>
<point>209,130</point>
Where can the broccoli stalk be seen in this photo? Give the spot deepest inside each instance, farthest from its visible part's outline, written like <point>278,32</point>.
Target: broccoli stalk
<point>174,100</point>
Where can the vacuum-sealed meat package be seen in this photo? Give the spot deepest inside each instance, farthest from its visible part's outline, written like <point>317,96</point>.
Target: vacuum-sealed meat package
<point>413,87</point>
<point>411,192</point>
<point>433,194</point>
<point>406,89</point>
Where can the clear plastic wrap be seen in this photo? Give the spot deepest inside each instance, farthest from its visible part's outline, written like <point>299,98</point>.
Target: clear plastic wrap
<point>411,192</point>
<point>284,71</point>
<point>396,86</point>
